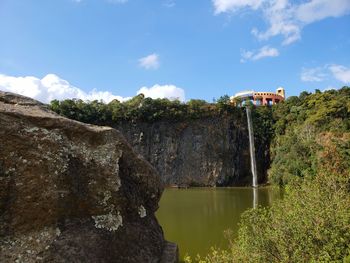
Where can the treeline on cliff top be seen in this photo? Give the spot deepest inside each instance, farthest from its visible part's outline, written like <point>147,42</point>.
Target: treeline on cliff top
<point>321,109</point>
<point>140,108</point>
<point>311,159</point>
<point>290,128</point>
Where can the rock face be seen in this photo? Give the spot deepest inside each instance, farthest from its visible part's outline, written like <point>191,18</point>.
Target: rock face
<point>212,151</point>
<point>72,192</point>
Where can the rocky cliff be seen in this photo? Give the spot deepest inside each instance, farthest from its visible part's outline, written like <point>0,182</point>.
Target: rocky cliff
<point>212,151</point>
<point>73,192</point>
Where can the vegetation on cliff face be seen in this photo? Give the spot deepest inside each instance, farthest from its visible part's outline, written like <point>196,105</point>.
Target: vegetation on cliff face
<point>299,125</point>
<point>311,158</point>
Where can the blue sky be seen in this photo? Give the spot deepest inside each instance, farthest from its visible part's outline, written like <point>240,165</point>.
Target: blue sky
<point>109,49</point>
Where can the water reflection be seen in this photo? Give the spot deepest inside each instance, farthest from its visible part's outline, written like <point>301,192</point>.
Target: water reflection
<point>196,218</point>
<point>255,197</point>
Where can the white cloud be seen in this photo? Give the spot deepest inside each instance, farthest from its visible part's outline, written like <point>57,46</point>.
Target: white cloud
<point>223,6</point>
<point>319,9</point>
<point>150,61</point>
<point>51,87</point>
<point>340,73</point>
<point>169,3</point>
<point>285,17</point>
<point>313,74</point>
<point>263,52</point>
<point>279,14</point>
<point>163,91</point>
<point>329,88</point>
<point>117,1</point>
<point>318,74</point>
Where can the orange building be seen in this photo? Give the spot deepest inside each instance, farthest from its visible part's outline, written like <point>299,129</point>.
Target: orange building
<point>260,98</point>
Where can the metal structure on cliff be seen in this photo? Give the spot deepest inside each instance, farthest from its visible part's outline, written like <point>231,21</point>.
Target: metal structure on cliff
<point>259,98</point>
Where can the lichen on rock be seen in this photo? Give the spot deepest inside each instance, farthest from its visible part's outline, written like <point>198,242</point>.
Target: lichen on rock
<point>111,222</point>
<point>142,211</point>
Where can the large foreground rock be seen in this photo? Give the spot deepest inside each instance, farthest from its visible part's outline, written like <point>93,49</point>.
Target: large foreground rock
<point>72,192</point>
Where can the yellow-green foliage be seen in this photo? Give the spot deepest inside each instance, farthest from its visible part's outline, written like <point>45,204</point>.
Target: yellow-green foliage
<point>326,111</point>
<point>299,123</point>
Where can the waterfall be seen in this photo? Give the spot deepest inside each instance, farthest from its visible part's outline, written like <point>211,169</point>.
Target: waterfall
<point>251,147</point>
<point>255,197</point>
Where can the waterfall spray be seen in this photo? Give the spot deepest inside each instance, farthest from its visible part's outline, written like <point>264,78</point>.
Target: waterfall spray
<point>251,147</point>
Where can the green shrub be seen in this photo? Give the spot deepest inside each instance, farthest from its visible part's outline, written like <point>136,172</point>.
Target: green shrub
<point>311,223</point>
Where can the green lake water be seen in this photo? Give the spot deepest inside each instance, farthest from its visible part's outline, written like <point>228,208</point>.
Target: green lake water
<point>196,218</point>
